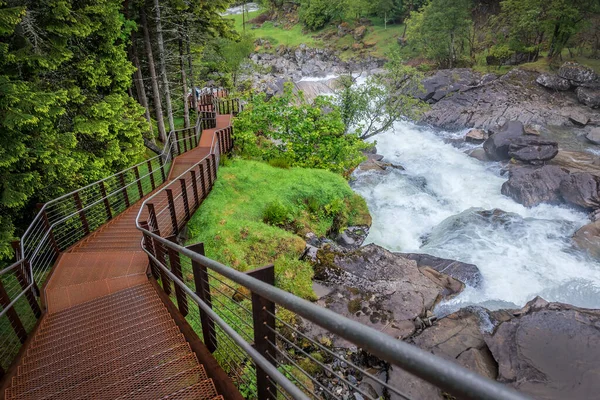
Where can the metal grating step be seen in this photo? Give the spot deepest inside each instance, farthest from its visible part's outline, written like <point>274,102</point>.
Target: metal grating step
<point>200,391</point>
<point>159,383</point>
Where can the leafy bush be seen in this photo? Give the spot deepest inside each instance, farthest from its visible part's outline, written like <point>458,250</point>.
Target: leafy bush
<point>280,162</point>
<point>276,214</point>
<point>315,14</point>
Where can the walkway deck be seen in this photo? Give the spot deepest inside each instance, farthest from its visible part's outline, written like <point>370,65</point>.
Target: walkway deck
<point>107,333</point>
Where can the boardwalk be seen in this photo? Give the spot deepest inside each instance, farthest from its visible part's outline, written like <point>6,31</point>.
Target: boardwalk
<point>107,334</point>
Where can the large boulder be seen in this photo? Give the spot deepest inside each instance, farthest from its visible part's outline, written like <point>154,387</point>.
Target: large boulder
<point>379,288</point>
<point>532,149</point>
<point>464,272</point>
<point>581,189</point>
<point>359,32</point>
<point>531,186</point>
<point>588,238</point>
<point>444,82</point>
<point>552,81</point>
<point>594,136</point>
<point>577,73</point>
<point>497,146</point>
<point>549,351</point>
<point>590,96</point>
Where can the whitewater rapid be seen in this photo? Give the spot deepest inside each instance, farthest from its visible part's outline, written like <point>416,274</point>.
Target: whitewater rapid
<point>434,206</point>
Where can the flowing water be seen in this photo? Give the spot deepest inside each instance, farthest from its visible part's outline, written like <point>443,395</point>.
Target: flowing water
<point>435,206</point>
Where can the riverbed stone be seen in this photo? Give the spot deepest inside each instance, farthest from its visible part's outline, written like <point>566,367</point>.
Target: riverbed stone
<point>531,186</point>
<point>578,118</point>
<point>594,136</point>
<point>590,96</point>
<point>476,136</point>
<point>581,189</point>
<point>479,154</point>
<point>464,272</point>
<point>552,81</point>
<point>532,149</point>
<point>577,73</point>
<point>588,238</point>
<point>497,146</point>
<point>549,351</point>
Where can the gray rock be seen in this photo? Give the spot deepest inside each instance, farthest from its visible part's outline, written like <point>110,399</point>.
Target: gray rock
<point>531,186</point>
<point>581,189</point>
<point>579,118</point>
<point>479,153</point>
<point>444,82</point>
<point>549,351</point>
<point>532,149</point>
<point>588,96</point>
<point>588,238</point>
<point>497,146</point>
<point>594,136</point>
<point>577,73</point>
<point>476,136</point>
<point>464,272</point>
<point>552,81</point>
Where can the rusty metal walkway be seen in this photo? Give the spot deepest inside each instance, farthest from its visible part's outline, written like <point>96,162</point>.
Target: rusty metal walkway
<point>107,334</point>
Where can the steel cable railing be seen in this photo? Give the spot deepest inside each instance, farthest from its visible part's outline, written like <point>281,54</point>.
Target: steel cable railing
<point>62,222</point>
<point>239,311</point>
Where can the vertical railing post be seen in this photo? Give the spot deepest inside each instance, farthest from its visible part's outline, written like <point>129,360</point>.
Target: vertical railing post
<point>22,273</point>
<point>263,315</point>
<point>149,246</point>
<point>136,171</point>
<point>195,190</point>
<point>105,199</point>
<point>184,196</point>
<point>160,256</point>
<point>150,172</point>
<point>40,207</point>
<point>152,216</point>
<point>214,163</point>
<point>175,262</point>
<point>176,134</point>
<point>202,182</point>
<point>172,211</point>
<point>209,172</point>
<point>203,292</point>
<point>124,190</point>
<point>82,216</point>
<point>184,140</point>
<point>12,315</point>
<point>162,170</point>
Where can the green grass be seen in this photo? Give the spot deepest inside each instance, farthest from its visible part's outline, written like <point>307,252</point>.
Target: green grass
<point>230,221</point>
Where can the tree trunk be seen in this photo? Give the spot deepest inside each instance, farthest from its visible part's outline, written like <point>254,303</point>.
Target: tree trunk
<point>186,109</point>
<point>138,79</point>
<point>191,69</point>
<point>155,92</point>
<point>163,65</point>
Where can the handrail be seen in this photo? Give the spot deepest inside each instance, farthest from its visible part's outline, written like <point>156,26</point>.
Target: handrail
<point>442,373</point>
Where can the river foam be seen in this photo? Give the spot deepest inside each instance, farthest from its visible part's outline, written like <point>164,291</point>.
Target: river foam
<point>435,205</point>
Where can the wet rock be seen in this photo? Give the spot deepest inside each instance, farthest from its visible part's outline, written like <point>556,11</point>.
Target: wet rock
<point>532,130</point>
<point>552,81</point>
<point>532,149</point>
<point>379,288</point>
<point>581,189</point>
<point>588,238</point>
<point>480,154</point>
<point>577,73</point>
<point>577,161</point>
<point>531,186</point>
<point>578,118</point>
<point>353,237</point>
<point>549,351</point>
<point>594,136</point>
<point>476,136</point>
<point>588,96</point>
<point>411,386</point>
<point>464,272</point>
<point>497,146</point>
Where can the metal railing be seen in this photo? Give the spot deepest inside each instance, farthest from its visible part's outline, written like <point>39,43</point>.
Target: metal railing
<point>264,337</point>
<point>64,221</point>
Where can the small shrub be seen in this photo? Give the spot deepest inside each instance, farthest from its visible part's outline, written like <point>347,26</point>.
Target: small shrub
<point>280,162</point>
<point>312,204</point>
<point>276,213</point>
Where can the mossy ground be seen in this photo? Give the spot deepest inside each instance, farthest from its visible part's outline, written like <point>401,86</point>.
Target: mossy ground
<point>230,221</point>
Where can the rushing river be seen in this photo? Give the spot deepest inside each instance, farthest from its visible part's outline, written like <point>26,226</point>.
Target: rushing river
<point>434,206</point>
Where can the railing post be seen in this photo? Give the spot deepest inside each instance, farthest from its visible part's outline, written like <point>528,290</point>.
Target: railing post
<point>195,190</point>
<point>160,256</point>
<point>82,216</point>
<point>184,196</point>
<point>176,134</point>
<point>152,215</point>
<point>150,172</point>
<point>175,262</point>
<point>172,211</point>
<point>124,190</point>
<point>40,207</point>
<point>149,245</point>
<point>214,163</point>
<point>12,315</point>
<point>162,170</point>
<point>105,199</point>
<point>22,273</point>
<point>136,171</point>
<point>202,182</point>
<point>203,292</point>
<point>263,315</point>
<point>184,140</point>
<point>191,137</point>
<point>209,173</point>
